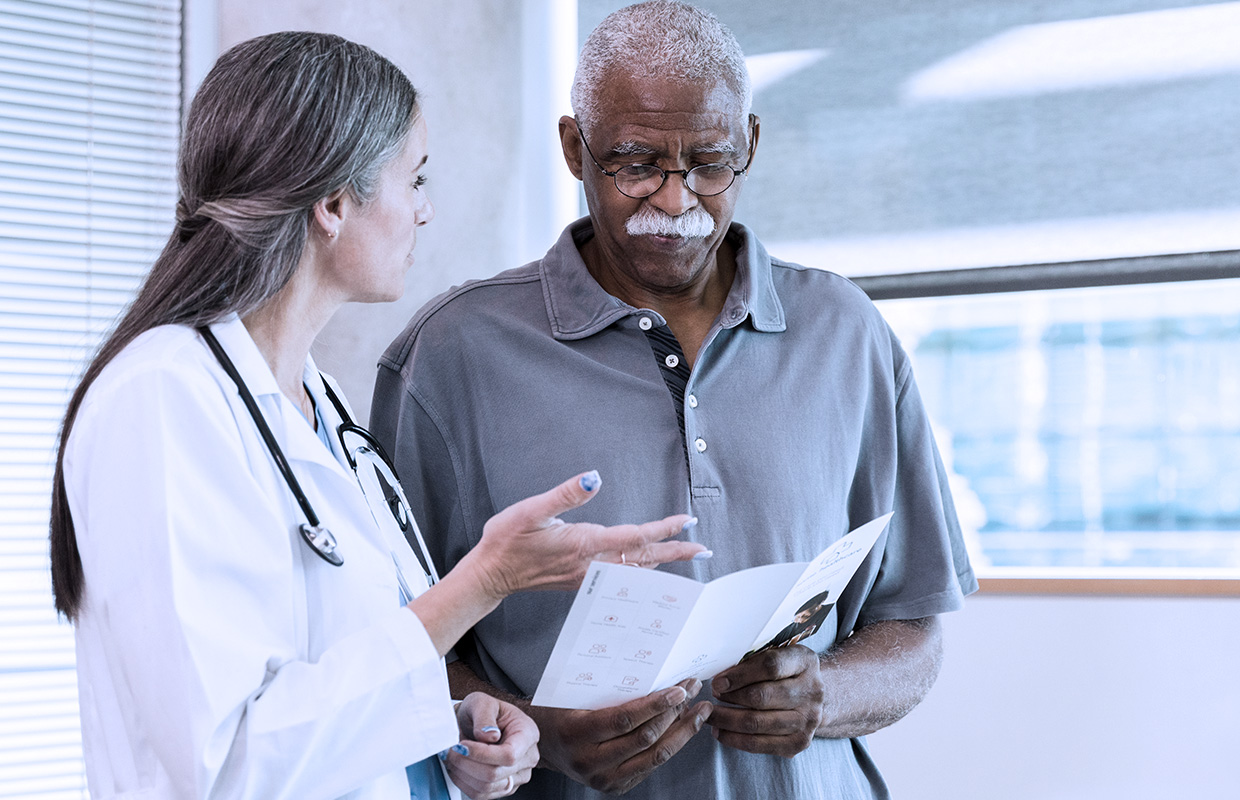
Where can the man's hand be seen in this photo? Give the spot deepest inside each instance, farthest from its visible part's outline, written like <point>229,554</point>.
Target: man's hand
<point>614,749</point>
<point>780,695</point>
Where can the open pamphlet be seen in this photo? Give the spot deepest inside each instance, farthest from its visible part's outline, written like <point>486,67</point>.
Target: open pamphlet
<point>634,631</point>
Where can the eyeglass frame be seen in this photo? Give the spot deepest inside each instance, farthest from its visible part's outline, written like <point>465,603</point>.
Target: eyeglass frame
<point>736,173</point>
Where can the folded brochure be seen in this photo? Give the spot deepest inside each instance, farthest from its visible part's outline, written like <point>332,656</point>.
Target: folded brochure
<point>634,631</point>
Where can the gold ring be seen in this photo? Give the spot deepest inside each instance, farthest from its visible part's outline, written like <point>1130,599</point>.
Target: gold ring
<point>508,787</point>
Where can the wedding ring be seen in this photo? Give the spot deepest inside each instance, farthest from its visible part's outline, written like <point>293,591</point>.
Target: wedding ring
<point>622,561</point>
<point>508,787</point>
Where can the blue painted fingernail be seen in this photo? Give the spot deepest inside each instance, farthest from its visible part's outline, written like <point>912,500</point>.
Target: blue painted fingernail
<point>702,556</point>
<point>590,480</point>
<point>689,525</point>
<point>490,729</point>
<point>460,749</point>
<point>443,755</point>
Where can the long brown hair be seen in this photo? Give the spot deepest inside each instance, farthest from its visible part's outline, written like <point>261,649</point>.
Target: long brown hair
<point>280,122</point>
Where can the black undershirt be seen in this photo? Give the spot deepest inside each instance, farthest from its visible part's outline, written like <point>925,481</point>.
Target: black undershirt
<point>663,343</point>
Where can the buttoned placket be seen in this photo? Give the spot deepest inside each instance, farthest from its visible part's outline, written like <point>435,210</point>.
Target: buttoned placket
<point>670,358</point>
<point>729,317</point>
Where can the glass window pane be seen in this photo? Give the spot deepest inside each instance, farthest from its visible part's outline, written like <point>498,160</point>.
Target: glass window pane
<point>1087,427</point>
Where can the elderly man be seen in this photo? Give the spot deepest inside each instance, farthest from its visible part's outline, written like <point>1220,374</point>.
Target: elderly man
<point>659,343</point>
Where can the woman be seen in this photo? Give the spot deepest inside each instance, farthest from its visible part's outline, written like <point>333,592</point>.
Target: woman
<point>240,630</point>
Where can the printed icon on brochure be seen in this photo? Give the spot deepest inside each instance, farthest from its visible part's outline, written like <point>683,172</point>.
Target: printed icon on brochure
<point>700,659</point>
<point>641,654</point>
<point>624,592</point>
<point>628,680</point>
<point>667,598</point>
<point>586,676</point>
<point>598,649</point>
<point>658,623</point>
<point>611,618</point>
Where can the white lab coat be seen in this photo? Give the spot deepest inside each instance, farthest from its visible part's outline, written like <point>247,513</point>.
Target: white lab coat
<point>218,656</point>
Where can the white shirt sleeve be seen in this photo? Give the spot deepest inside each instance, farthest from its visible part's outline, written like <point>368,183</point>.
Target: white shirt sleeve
<point>193,633</point>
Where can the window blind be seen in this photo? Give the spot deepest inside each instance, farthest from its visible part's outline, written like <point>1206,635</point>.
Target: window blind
<point>90,104</point>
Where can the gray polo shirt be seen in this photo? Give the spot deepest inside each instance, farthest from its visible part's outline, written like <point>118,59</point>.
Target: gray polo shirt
<point>801,421</point>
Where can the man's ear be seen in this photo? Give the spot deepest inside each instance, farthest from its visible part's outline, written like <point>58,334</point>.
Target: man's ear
<point>755,126</point>
<point>570,141</point>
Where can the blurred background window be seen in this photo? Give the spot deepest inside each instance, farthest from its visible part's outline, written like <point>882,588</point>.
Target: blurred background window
<point>1043,198</point>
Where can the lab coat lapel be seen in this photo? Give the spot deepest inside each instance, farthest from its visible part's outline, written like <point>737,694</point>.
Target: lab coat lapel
<point>296,438</point>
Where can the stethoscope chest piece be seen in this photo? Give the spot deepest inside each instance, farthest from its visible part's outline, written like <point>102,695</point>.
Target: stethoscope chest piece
<point>322,542</point>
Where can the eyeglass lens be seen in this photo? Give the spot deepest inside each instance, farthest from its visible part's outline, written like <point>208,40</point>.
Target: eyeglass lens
<point>705,180</point>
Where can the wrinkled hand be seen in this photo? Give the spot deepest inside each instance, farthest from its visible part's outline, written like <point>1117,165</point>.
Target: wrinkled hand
<point>526,546</point>
<point>780,695</point>
<point>614,749</point>
<point>498,741</point>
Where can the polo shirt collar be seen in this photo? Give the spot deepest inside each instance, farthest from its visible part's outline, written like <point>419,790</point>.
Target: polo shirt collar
<point>753,291</point>
<point>578,307</point>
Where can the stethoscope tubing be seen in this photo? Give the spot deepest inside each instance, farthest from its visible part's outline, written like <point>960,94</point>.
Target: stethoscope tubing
<point>318,538</point>
<point>268,437</point>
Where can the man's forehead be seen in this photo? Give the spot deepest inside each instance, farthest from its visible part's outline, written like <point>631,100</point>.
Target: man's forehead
<point>663,105</point>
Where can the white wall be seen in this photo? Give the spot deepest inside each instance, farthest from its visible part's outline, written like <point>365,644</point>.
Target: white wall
<point>490,109</point>
<point>1057,698</point>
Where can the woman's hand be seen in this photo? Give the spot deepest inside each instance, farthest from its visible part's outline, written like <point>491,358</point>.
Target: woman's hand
<point>498,749</point>
<point>526,546</point>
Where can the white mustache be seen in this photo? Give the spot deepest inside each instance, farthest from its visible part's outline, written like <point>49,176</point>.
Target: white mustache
<point>649,221</point>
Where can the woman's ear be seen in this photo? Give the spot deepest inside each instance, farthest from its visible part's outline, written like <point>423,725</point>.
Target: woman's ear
<point>330,213</point>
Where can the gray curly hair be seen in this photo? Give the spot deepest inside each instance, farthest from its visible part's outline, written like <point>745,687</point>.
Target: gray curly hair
<point>659,38</point>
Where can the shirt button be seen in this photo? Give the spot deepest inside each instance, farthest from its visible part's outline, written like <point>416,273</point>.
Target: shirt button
<point>672,361</point>
<point>700,444</point>
<point>645,323</point>
<point>692,401</point>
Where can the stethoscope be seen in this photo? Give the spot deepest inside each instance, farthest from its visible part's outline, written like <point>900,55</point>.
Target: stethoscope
<point>319,538</point>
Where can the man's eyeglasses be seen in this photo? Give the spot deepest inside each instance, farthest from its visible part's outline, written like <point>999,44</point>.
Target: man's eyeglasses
<point>642,180</point>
